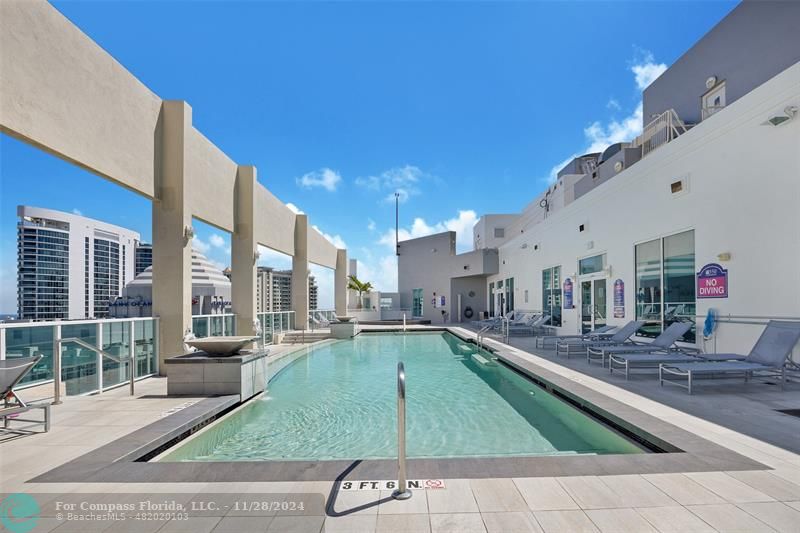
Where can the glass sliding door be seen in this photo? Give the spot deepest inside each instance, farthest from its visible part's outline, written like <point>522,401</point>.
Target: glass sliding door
<point>416,302</point>
<point>665,283</point>
<point>551,294</point>
<point>593,304</point>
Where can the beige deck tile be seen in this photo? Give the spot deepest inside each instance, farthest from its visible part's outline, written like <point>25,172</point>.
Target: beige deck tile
<point>457,523</point>
<point>591,493</point>
<point>636,491</point>
<point>351,524</point>
<point>357,502</point>
<point>456,498</point>
<point>795,505</point>
<point>194,524</point>
<point>729,488</point>
<point>497,495</point>
<point>565,521</point>
<point>619,521</point>
<point>683,489</point>
<point>726,517</point>
<point>295,524</point>
<point>675,519</point>
<point>416,504</point>
<point>778,516</point>
<point>242,524</point>
<point>403,523</point>
<point>771,485</point>
<point>517,522</point>
<point>544,494</point>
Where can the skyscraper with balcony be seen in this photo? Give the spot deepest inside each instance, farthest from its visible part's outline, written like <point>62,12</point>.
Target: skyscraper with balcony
<point>274,290</point>
<point>70,266</point>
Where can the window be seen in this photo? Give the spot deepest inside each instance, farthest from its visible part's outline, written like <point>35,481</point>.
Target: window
<point>665,283</point>
<point>386,303</point>
<point>509,295</point>
<point>593,264</point>
<point>499,233</point>
<point>491,299</point>
<point>416,302</point>
<point>551,294</point>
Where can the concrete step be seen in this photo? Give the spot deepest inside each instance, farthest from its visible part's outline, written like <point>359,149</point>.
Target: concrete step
<point>297,337</point>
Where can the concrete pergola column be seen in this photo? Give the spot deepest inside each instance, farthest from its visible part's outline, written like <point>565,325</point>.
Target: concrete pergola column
<point>244,248</point>
<point>340,283</point>
<point>300,273</point>
<point>172,248</point>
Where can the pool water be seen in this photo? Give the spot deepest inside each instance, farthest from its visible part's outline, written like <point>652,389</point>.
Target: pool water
<point>339,402</point>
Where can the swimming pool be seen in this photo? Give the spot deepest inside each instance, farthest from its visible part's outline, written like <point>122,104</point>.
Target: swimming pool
<point>339,402</point>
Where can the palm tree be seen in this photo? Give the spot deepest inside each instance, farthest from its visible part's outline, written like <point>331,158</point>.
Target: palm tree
<point>354,284</point>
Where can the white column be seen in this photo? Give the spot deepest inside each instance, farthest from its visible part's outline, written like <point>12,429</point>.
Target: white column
<point>300,272</point>
<point>340,283</point>
<point>172,249</point>
<point>243,251</point>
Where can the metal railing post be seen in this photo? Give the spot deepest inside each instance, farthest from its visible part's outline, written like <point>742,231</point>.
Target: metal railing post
<point>132,355</point>
<point>402,492</point>
<point>99,357</point>
<point>57,365</point>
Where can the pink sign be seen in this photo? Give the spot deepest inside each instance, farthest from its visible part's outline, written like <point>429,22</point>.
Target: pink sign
<point>712,282</point>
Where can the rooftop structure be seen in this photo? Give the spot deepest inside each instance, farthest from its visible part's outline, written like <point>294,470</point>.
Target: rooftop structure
<point>211,291</point>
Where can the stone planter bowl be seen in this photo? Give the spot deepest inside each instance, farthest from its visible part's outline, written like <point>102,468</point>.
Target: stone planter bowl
<point>221,346</point>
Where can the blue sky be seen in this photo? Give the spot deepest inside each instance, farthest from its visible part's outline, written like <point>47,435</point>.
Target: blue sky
<point>465,107</point>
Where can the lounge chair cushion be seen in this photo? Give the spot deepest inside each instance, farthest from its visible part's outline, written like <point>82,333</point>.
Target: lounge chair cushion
<point>721,366</point>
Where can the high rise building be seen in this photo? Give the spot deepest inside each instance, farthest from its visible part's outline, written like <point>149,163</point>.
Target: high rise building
<point>313,293</point>
<point>274,290</point>
<point>144,257</point>
<point>69,266</point>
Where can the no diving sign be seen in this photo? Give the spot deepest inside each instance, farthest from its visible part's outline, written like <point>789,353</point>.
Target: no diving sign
<point>391,484</point>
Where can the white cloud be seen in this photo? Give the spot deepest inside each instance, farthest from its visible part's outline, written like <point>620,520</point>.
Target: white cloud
<point>380,271</point>
<point>216,240</point>
<point>296,210</point>
<point>271,258</point>
<point>461,224</point>
<point>326,178</point>
<point>403,180</point>
<point>336,240</point>
<point>599,135</point>
<point>76,211</point>
<point>646,70</point>
<point>200,245</point>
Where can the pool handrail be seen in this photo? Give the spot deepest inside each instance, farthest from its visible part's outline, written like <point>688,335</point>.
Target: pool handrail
<point>402,491</point>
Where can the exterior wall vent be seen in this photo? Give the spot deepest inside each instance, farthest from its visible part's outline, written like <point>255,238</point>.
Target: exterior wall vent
<point>679,186</point>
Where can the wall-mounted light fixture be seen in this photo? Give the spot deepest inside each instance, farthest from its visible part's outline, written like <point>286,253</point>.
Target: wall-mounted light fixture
<point>188,233</point>
<point>256,256</point>
<point>724,256</point>
<point>788,114</point>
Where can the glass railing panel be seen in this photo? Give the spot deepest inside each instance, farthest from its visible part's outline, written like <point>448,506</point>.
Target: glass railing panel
<point>79,364</point>
<point>116,341</point>
<point>200,326</point>
<point>144,341</point>
<point>216,326</point>
<point>29,341</point>
<point>230,324</point>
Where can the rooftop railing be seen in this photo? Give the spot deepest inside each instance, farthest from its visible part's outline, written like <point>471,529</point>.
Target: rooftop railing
<point>215,325</point>
<point>273,323</point>
<point>83,370</point>
<point>662,129</point>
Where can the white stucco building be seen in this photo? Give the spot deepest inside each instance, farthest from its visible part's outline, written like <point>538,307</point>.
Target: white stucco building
<point>702,210</point>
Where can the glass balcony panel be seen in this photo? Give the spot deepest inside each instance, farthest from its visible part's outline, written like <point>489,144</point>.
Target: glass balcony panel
<point>79,364</point>
<point>29,341</point>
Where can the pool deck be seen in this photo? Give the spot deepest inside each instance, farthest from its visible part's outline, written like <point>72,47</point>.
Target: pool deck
<point>731,417</point>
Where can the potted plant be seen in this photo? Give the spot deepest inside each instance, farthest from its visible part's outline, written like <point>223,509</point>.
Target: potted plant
<point>354,284</point>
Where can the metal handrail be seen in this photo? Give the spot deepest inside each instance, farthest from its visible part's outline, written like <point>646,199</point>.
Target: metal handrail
<point>481,331</point>
<point>402,491</point>
<point>80,342</point>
